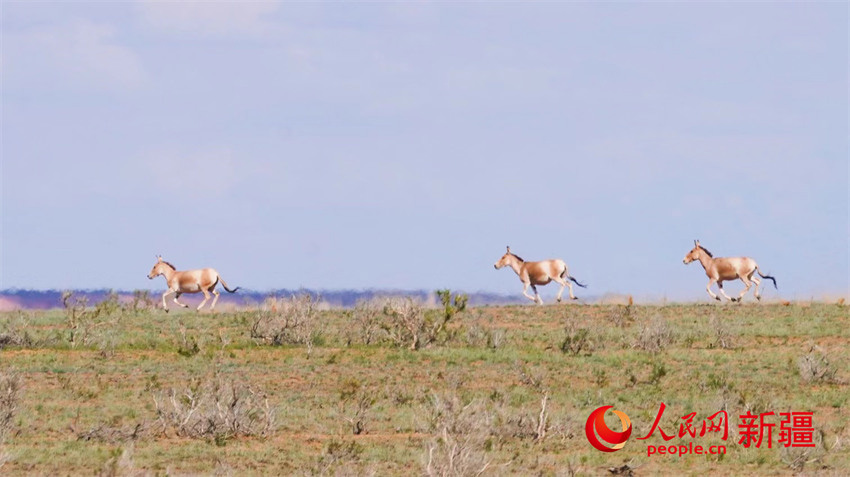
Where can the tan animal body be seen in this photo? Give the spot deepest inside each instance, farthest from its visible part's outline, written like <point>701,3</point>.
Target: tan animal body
<point>188,281</point>
<point>532,274</point>
<point>723,269</point>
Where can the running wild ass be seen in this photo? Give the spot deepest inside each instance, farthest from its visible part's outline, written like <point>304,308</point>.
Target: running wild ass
<point>539,273</point>
<point>188,281</point>
<point>723,269</point>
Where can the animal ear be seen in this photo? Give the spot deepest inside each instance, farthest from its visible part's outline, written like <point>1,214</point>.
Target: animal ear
<point>696,243</point>
<point>159,258</point>
<point>509,249</point>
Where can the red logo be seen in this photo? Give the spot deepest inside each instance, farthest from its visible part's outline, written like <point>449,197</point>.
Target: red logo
<point>596,421</point>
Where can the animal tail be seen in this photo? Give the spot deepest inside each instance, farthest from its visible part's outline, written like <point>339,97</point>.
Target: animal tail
<point>565,275</point>
<point>768,277</point>
<point>225,286</point>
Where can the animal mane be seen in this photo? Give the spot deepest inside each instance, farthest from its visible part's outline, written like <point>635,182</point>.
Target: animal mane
<point>517,257</point>
<point>706,251</point>
<point>175,268</point>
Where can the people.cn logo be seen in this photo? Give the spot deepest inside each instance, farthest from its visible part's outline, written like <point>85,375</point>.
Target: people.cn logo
<point>596,425</point>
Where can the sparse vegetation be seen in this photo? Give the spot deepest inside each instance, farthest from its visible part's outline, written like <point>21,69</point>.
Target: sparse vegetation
<point>654,335</point>
<point>460,432</point>
<point>214,408</point>
<point>723,336</point>
<point>575,339</point>
<point>287,321</point>
<point>83,322</point>
<point>10,395</point>
<point>815,367</point>
<point>364,322</point>
<point>355,403</point>
<point>160,393</point>
<point>14,331</point>
<point>408,323</point>
<point>622,315</point>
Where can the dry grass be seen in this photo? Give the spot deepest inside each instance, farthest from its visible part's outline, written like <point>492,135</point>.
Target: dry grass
<point>654,335</point>
<point>188,393</point>
<point>293,320</point>
<point>815,367</point>
<point>214,408</point>
<point>10,396</point>
<point>460,431</point>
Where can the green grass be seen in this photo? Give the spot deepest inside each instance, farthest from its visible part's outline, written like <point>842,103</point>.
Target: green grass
<point>104,388</point>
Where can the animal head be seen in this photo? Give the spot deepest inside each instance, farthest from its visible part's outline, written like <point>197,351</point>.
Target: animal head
<point>695,253</point>
<point>506,259</point>
<point>159,267</point>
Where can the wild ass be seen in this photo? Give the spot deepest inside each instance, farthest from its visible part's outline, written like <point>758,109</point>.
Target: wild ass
<point>188,281</point>
<point>727,268</point>
<point>539,273</point>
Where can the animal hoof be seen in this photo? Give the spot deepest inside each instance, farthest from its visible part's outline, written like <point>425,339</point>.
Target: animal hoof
<point>166,310</point>
<point>758,297</point>
<point>717,298</point>
<point>559,300</point>
<point>573,298</point>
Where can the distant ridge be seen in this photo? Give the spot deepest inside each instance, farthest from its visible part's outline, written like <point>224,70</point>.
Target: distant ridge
<point>17,299</point>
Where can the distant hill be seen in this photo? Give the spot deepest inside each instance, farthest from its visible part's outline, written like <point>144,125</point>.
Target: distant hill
<point>14,299</point>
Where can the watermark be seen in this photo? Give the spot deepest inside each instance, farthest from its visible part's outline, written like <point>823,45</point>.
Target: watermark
<point>682,449</point>
<point>596,425</point>
<point>791,429</point>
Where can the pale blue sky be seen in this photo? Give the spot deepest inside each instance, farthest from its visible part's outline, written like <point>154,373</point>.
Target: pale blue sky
<point>403,145</point>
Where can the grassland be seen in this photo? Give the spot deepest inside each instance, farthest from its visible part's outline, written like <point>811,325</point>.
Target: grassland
<point>92,393</point>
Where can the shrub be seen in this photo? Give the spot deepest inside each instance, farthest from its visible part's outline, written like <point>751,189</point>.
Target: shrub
<point>460,432</point>
<point>287,321</point>
<point>406,321</point>
<point>575,339</point>
<point>15,332</point>
<point>452,305</point>
<point>796,458</point>
<point>355,402</point>
<point>814,366</point>
<point>654,336</point>
<point>82,322</point>
<point>142,301</point>
<point>535,382</point>
<point>339,458</point>
<point>10,394</point>
<point>188,345</point>
<point>485,336</point>
<point>722,335</point>
<point>214,409</point>
<point>622,315</point>
<point>364,321</point>
<point>120,463</point>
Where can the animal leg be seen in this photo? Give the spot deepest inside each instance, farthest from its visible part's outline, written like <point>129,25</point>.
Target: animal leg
<point>164,306</point>
<point>708,289</point>
<point>722,291</point>
<point>537,295</point>
<point>756,280</point>
<point>206,297</point>
<point>563,284</point>
<point>744,292</point>
<point>176,296</point>
<point>216,293</point>
<point>525,291</point>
